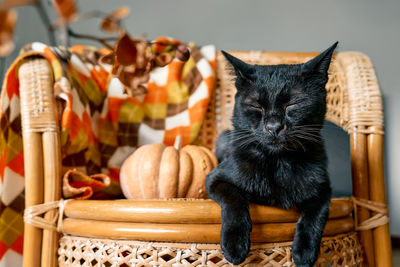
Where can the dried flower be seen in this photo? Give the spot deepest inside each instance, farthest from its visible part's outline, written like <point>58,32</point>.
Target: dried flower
<point>112,22</point>
<point>8,18</point>
<point>163,59</point>
<point>182,53</point>
<point>131,63</point>
<point>133,59</point>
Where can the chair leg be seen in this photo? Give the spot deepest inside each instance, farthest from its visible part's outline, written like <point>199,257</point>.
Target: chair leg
<point>359,167</point>
<point>33,161</point>
<point>52,192</point>
<point>381,234</point>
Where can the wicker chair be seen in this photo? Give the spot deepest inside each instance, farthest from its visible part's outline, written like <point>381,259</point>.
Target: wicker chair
<point>186,232</point>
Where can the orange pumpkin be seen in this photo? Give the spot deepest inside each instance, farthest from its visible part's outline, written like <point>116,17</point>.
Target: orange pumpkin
<point>160,171</point>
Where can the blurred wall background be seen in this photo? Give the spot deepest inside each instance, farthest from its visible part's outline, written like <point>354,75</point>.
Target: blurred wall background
<point>368,26</point>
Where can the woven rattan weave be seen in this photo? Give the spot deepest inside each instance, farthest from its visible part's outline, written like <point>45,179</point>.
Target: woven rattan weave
<point>341,250</point>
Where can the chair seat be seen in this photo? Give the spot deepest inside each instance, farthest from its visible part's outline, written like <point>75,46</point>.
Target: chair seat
<point>187,220</point>
<point>339,250</point>
<point>166,232</point>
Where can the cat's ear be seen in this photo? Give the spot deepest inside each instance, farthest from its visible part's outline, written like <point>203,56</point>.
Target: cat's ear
<point>319,64</point>
<point>242,69</point>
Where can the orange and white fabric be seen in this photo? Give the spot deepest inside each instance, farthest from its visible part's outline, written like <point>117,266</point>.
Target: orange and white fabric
<point>99,125</point>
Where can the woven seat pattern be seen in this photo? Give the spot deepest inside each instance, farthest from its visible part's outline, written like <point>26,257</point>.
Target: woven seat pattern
<point>341,250</point>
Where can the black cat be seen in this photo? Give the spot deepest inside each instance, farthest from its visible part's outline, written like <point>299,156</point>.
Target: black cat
<point>275,154</point>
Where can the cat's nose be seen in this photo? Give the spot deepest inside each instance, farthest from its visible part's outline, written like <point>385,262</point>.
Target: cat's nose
<point>273,127</point>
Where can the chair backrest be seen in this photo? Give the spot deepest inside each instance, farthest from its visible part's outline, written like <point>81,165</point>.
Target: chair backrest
<point>353,103</point>
<point>355,110</point>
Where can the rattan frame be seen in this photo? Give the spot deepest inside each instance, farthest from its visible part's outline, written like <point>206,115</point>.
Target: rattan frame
<point>354,103</point>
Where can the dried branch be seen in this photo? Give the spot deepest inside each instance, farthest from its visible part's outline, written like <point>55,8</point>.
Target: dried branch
<point>2,65</point>
<point>46,21</point>
<point>15,3</point>
<point>102,40</point>
<point>90,14</point>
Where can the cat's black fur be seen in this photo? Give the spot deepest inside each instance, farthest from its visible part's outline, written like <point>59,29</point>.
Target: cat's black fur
<point>274,155</point>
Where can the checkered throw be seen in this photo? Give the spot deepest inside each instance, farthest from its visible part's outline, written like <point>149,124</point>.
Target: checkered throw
<point>100,126</point>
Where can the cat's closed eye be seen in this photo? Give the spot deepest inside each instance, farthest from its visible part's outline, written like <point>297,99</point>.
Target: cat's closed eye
<point>254,107</point>
<point>290,107</point>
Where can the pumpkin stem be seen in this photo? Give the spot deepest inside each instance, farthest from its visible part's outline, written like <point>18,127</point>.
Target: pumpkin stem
<point>178,142</point>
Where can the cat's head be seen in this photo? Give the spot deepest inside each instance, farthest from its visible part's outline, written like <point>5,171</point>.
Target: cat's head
<point>280,107</point>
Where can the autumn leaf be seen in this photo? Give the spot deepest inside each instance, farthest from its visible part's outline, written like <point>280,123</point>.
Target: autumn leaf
<point>66,9</point>
<point>131,63</point>
<point>112,22</point>
<point>126,51</point>
<point>8,19</point>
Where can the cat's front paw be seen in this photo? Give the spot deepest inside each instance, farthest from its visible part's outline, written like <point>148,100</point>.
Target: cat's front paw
<point>235,242</point>
<point>304,256</point>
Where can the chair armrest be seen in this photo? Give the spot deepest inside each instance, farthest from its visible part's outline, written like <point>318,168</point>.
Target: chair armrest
<point>362,104</point>
<point>38,109</point>
<point>42,155</point>
<point>362,101</point>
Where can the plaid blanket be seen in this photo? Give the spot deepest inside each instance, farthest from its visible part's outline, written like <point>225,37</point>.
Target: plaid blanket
<point>100,126</point>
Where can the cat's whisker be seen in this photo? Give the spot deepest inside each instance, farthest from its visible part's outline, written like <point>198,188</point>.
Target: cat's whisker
<point>289,149</point>
<point>302,146</point>
<point>318,136</point>
<point>244,145</point>
<point>314,133</point>
<point>319,126</point>
<point>291,138</point>
<point>313,129</point>
<point>308,138</point>
<point>237,133</point>
<point>311,138</point>
<point>316,124</point>
<point>258,145</point>
<point>242,138</point>
<point>239,138</point>
<point>244,141</point>
<point>306,131</point>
